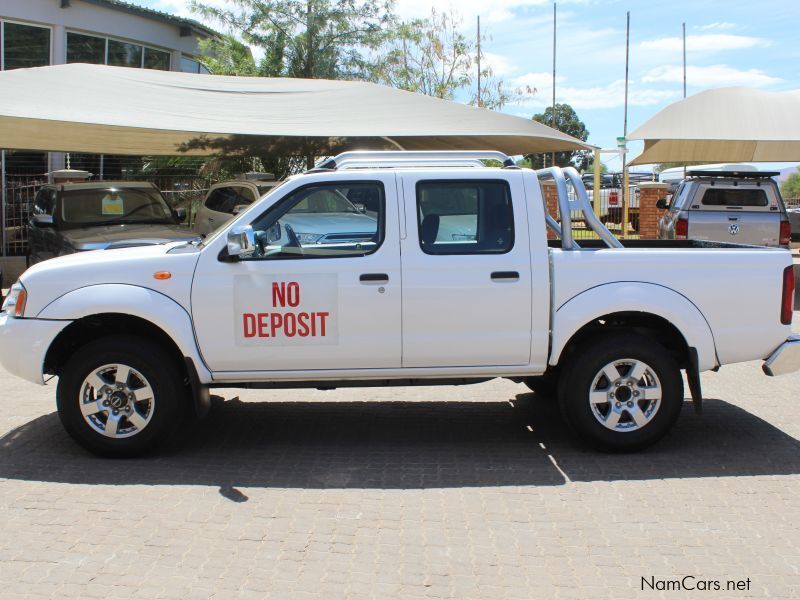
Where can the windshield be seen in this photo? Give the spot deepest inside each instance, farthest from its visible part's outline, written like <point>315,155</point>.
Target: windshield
<point>112,206</point>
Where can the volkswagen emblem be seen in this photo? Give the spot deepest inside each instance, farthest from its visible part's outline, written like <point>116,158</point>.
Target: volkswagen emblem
<point>733,229</point>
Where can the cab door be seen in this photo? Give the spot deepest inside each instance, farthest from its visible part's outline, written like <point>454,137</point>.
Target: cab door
<point>466,270</point>
<point>322,291</point>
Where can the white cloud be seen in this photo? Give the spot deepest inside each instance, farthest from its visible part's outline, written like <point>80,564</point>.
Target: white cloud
<point>497,11</point>
<point>501,65</point>
<point>705,42</point>
<point>711,75</point>
<point>611,95</point>
<point>718,25</point>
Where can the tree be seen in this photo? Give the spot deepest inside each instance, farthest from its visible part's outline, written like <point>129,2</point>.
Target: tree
<point>433,57</point>
<point>313,39</point>
<point>791,187</point>
<point>567,121</point>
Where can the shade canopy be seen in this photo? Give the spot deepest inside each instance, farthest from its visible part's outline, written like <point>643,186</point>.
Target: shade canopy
<point>114,110</point>
<point>724,125</point>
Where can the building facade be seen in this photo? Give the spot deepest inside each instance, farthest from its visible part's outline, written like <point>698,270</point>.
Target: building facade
<point>36,33</point>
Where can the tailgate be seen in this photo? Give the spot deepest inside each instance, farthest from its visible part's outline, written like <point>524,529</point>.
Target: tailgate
<point>758,228</point>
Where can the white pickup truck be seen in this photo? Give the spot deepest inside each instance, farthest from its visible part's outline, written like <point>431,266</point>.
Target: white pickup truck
<point>458,283</point>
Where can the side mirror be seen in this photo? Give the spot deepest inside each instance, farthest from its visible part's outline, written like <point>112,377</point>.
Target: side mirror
<point>241,241</point>
<point>43,220</point>
<point>662,204</point>
<point>180,214</point>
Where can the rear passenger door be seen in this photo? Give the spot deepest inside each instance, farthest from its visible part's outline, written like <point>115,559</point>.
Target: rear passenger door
<point>466,270</point>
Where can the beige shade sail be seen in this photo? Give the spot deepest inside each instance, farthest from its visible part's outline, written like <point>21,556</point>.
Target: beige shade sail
<point>115,110</point>
<point>724,125</point>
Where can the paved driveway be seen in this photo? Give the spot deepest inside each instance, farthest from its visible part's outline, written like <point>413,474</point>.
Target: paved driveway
<point>457,492</point>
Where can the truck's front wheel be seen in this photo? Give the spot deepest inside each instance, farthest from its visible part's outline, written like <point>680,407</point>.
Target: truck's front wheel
<point>120,396</point>
<point>621,392</point>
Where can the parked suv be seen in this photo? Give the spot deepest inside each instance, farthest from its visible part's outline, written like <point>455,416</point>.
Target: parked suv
<point>227,199</point>
<point>744,207</point>
<point>97,215</point>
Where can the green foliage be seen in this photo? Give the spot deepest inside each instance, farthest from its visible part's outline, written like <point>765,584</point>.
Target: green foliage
<point>566,121</point>
<point>433,57</point>
<point>313,39</point>
<point>228,56</point>
<point>791,187</point>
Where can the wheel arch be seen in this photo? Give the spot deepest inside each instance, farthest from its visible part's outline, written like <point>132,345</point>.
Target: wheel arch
<point>98,310</point>
<point>644,307</point>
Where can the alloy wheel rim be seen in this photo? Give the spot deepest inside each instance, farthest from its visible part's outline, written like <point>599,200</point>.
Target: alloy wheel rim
<point>116,401</point>
<point>625,395</point>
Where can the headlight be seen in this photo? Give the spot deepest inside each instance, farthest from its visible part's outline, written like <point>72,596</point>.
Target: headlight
<point>14,304</point>
<point>309,238</point>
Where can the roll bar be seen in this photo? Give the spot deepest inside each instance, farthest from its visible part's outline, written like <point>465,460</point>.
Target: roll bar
<point>566,205</point>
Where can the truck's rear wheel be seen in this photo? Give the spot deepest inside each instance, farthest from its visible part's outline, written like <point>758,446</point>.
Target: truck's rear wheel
<point>120,396</point>
<point>621,392</point>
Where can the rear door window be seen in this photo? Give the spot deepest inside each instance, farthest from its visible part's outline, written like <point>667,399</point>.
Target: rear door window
<point>465,217</point>
<point>735,198</point>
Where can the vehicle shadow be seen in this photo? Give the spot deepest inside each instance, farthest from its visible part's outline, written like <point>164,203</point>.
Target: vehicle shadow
<point>398,445</point>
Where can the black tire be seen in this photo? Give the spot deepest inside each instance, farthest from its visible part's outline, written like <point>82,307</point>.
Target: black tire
<point>159,368</point>
<point>579,376</point>
<point>545,386</point>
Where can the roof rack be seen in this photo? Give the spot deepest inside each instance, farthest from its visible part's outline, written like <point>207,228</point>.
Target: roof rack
<point>404,158</point>
<point>734,174</point>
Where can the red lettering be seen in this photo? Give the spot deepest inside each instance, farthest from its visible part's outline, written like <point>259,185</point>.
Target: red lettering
<point>302,324</point>
<point>263,325</point>
<point>278,294</point>
<point>290,324</point>
<point>293,296</point>
<point>249,325</point>
<point>275,321</point>
<point>322,317</point>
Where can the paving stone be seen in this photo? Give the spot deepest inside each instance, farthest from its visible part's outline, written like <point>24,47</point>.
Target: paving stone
<point>439,492</point>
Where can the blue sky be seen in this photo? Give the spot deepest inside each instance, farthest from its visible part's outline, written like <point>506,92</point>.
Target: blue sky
<point>746,43</point>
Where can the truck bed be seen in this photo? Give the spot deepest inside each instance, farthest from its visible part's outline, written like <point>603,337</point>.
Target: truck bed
<point>590,244</point>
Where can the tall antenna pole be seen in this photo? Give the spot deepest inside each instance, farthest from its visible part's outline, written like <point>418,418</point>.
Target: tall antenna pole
<point>684,60</point>
<point>625,131</point>
<point>479,61</point>
<point>553,157</point>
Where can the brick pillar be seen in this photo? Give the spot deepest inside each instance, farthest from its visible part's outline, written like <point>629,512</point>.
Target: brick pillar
<point>649,194</point>
<point>551,203</point>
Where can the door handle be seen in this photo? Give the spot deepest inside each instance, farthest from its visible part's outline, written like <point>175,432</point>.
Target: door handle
<point>505,276</point>
<point>374,278</point>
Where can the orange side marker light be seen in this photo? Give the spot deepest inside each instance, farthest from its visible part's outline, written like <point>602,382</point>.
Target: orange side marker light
<point>161,275</point>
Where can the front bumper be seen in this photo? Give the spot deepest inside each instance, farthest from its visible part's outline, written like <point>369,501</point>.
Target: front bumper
<point>786,359</point>
<point>24,344</point>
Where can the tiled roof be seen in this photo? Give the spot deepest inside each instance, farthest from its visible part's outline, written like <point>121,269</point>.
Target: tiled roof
<point>156,14</point>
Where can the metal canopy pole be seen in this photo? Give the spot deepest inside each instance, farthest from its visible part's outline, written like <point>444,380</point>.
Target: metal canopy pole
<point>3,197</point>
<point>625,199</point>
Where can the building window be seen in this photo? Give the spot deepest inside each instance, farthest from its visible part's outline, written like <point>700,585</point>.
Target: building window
<point>85,49</point>
<point>156,59</point>
<point>25,46</point>
<point>122,54</point>
<point>190,65</point>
